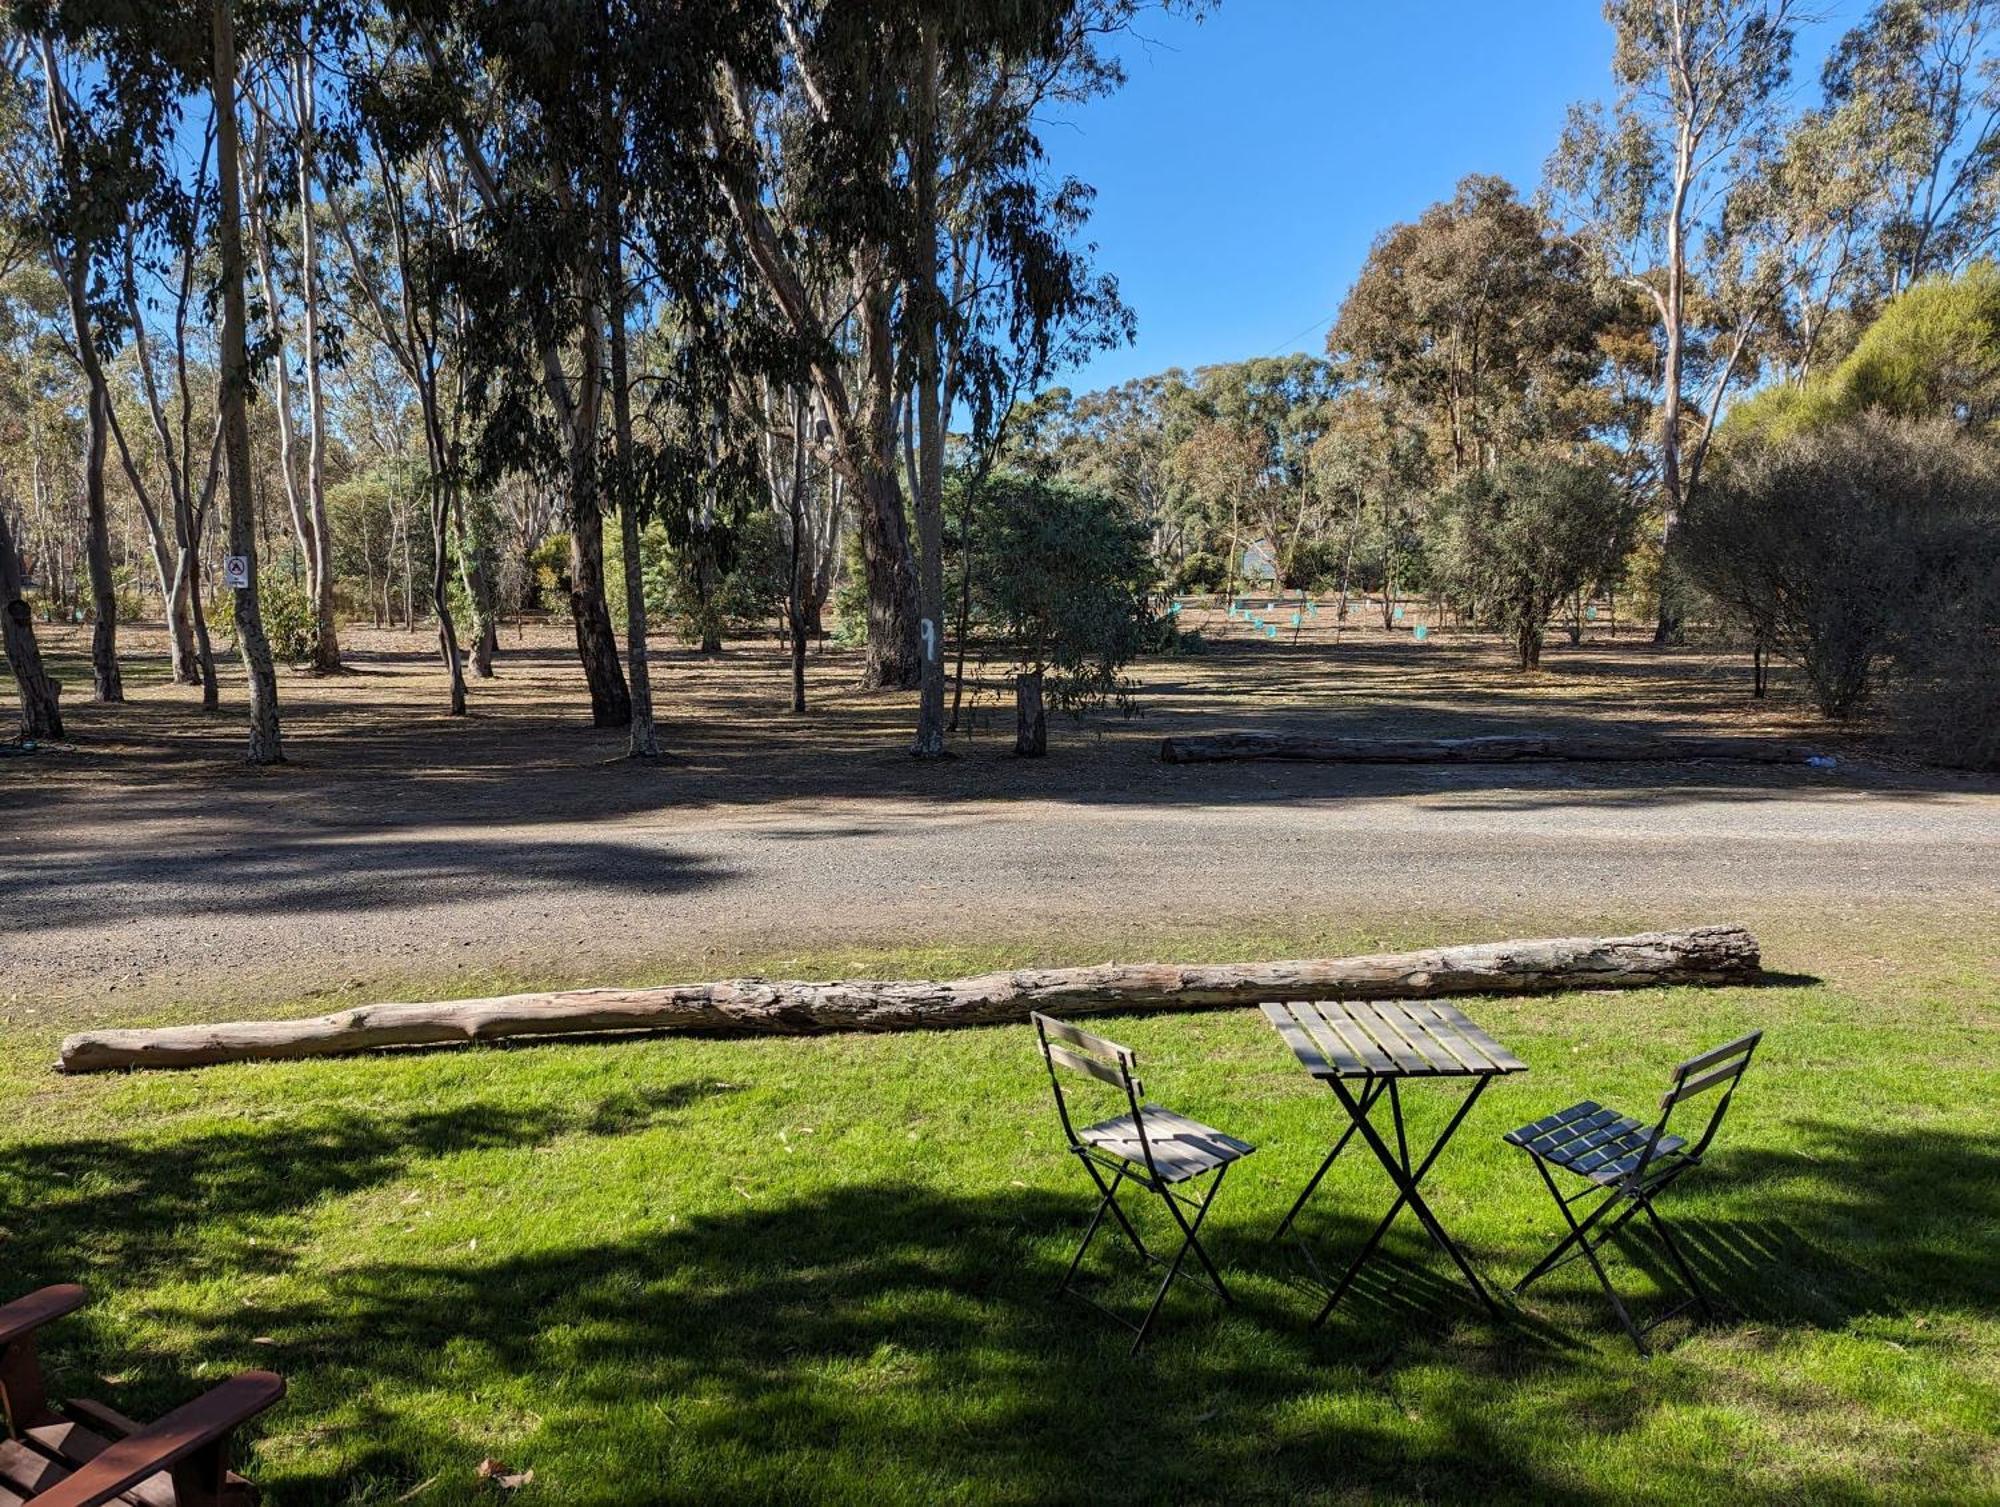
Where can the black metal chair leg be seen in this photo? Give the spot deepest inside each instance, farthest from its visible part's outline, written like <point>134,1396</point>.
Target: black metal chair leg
<point>1581,1238</point>
<point>1108,1201</point>
<point>1201,1251</point>
<point>1578,1232</point>
<point>1117,1212</point>
<point>1191,1241</point>
<point>1687,1272</point>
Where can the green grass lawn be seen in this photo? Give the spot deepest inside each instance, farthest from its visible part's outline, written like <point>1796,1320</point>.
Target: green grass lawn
<point>671,1270</point>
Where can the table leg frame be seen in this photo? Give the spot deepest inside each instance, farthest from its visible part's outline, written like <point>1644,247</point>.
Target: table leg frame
<point>1403,1176</point>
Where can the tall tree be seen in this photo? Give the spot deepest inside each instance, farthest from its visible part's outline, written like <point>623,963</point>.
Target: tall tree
<point>1482,318</point>
<point>266,745</point>
<point>1914,95</point>
<point>1700,88</point>
<point>91,177</point>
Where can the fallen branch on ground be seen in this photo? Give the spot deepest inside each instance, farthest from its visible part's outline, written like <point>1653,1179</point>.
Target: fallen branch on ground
<point>1499,748</point>
<point>1703,955</point>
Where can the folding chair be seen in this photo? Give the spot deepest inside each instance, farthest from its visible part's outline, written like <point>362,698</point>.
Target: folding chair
<point>1630,1164</point>
<point>1150,1147</point>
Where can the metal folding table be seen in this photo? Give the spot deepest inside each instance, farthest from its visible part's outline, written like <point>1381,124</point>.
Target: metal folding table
<point>1377,1044</point>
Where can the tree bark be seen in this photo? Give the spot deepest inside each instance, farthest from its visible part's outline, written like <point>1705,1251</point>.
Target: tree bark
<point>893,653</point>
<point>1501,748</point>
<point>326,653</point>
<point>643,741</point>
<point>1031,723</point>
<point>107,684</point>
<point>41,696</point>
<point>265,746</point>
<point>928,503</point>
<point>1707,955</point>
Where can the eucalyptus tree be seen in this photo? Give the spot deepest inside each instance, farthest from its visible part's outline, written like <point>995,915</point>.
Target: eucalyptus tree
<point>102,153</point>
<point>41,705</point>
<point>900,145</point>
<point>579,130</point>
<point>809,501</point>
<point>1480,317</point>
<point>266,745</point>
<point>411,213</point>
<point>181,441</point>
<point>1700,93</point>
<point>1250,449</point>
<point>40,694</point>
<point>1913,95</point>
<point>506,85</point>
<point>284,110</point>
<point>149,68</point>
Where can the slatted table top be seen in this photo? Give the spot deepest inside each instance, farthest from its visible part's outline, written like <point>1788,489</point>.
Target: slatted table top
<point>1387,1039</point>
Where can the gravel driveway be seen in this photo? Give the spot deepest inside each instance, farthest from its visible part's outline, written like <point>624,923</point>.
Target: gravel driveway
<point>254,897</point>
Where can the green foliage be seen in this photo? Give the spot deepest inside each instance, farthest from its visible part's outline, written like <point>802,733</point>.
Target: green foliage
<point>714,582</point>
<point>1316,564</point>
<point>548,567</point>
<point>289,620</point>
<point>1934,352</point>
<point>1519,541</point>
<point>1482,319</point>
<point>1064,578</point>
<point>1836,545</point>
<point>850,597</point>
<point>1200,573</point>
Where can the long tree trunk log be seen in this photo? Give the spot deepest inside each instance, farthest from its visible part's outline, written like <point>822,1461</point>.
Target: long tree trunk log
<point>1704,955</point>
<point>1501,748</point>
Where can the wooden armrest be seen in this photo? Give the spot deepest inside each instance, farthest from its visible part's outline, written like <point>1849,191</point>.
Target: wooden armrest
<point>188,1428</point>
<point>26,1315</point>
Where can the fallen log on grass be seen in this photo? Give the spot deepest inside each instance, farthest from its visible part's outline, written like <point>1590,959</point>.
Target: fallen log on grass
<point>1703,955</point>
<point>1497,748</point>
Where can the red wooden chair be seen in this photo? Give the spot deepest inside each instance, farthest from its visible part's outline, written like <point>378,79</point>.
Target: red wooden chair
<point>86,1454</point>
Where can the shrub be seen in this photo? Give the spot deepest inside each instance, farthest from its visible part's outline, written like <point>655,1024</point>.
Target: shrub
<point>1837,545</point>
<point>1315,565</point>
<point>1945,682</point>
<point>1064,577</point>
<point>289,621</point>
<point>1519,541</point>
<point>548,569</point>
<point>1201,573</point>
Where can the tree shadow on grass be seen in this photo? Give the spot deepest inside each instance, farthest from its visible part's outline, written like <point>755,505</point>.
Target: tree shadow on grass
<point>113,1209</point>
<point>901,1337</point>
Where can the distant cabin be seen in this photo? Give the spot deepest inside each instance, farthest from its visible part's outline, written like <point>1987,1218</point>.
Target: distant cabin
<point>1260,560</point>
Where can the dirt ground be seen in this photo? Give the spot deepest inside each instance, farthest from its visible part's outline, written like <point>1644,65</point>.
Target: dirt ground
<point>146,872</point>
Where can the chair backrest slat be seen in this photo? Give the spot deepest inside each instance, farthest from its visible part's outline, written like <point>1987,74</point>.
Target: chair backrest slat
<point>1720,1068</point>
<point>1077,1062</point>
<point>1062,1030</point>
<point>1740,1047</point>
<point>1119,1073</point>
<point>1723,1066</point>
<point>1691,1087</point>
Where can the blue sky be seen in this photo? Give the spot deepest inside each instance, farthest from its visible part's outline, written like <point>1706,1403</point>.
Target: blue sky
<point>1251,159</point>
